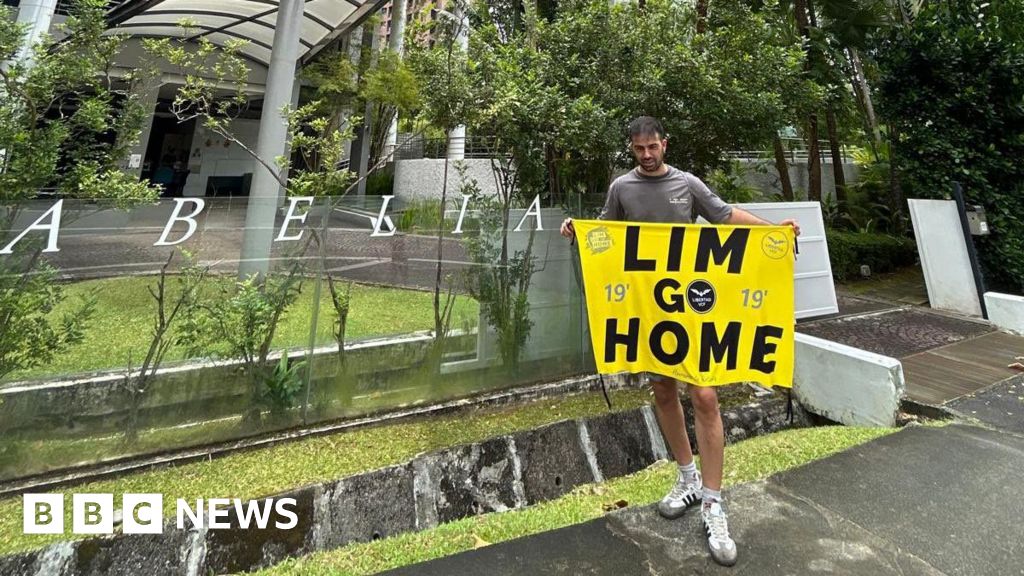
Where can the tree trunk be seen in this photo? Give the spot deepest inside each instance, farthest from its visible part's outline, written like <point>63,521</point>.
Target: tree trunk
<point>813,160</point>
<point>702,15</point>
<point>783,167</point>
<point>895,190</point>
<point>438,325</point>
<point>862,88</point>
<point>551,161</point>
<point>837,155</point>
<point>800,12</point>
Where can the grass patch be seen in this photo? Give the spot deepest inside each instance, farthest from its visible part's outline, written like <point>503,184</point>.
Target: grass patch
<point>124,318</point>
<point>745,461</point>
<point>268,471</point>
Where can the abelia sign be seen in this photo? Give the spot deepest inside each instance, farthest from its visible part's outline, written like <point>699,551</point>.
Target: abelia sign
<point>186,210</point>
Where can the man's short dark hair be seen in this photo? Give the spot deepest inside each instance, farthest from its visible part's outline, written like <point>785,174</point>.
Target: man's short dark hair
<point>646,126</point>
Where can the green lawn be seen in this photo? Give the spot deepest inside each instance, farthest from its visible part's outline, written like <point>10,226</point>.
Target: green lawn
<point>745,461</point>
<point>124,319</point>
<point>272,470</point>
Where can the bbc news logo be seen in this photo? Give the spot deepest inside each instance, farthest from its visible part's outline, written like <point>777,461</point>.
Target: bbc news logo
<point>144,513</point>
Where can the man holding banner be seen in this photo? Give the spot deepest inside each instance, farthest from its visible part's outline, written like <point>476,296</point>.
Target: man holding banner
<point>702,305</point>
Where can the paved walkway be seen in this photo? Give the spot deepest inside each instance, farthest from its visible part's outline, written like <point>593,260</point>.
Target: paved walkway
<point>945,357</point>
<point>922,501</point>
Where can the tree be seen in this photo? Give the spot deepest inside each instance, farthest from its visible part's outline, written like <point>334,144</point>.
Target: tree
<point>169,308</point>
<point>240,322</point>
<point>710,91</point>
<point>65,123</point>
<point>391,87</point>
<point>443,74</point>
<point>950,87</point>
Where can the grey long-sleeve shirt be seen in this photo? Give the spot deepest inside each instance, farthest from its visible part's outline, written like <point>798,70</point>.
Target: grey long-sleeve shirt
<point>674,197</point>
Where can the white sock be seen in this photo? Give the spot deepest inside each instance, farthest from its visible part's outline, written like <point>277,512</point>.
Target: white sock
<point>688,472</point>
<point>710,496</point>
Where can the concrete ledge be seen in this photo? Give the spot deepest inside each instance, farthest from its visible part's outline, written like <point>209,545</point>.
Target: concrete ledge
<point>1005,311</point>
<point>498,474</point>
<point>847,384</point>
<point>553,461</point>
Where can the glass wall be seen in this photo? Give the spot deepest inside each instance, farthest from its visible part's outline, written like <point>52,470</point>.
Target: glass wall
<point>135,330</point>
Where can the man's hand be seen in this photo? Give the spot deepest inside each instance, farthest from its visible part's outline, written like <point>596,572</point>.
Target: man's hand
<point>791,222</point>
<point>567,228</point>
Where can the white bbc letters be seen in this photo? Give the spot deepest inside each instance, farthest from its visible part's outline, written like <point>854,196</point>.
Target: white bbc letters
<point>92,513</point>
<point>43,514</point>
<point>143,513</point>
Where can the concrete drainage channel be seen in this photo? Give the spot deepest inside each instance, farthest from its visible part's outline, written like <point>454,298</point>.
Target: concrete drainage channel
<point>494,475</point>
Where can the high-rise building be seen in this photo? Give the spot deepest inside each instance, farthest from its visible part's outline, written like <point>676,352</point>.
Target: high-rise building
<point>415,10</point>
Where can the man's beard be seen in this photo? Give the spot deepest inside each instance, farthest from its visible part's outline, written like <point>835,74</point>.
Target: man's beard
<point>653,166</point>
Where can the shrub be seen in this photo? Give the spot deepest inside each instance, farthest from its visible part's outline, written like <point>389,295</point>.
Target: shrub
<point>950,88</point>
<point>882,253</point>
<point>380,183</point>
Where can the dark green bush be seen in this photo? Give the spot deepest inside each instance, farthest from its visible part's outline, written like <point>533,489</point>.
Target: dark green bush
<point>380,183</point>
<point>950,86</point>
<point>883,253</point>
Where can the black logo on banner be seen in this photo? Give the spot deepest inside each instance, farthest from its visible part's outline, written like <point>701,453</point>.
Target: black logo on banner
<point>701,296</point>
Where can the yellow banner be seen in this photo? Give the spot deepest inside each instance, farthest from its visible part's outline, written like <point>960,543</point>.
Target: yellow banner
<point>706,305</point>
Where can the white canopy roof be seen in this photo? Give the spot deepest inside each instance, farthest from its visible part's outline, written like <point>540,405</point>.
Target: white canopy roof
<point>324,21</point>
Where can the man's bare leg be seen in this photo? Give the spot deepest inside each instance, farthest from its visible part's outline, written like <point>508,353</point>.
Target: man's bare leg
<point>710,435</point>
<point>686,491</point>
<point>711,443</point>
<point>671,418</point>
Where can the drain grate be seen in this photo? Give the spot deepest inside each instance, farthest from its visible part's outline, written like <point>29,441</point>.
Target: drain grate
<point>898,333</point>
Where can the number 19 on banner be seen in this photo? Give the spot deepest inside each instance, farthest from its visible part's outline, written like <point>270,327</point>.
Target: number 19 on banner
<point>616,292</point>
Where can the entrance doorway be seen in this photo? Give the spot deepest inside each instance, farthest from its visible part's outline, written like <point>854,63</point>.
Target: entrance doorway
<point>167,154</point>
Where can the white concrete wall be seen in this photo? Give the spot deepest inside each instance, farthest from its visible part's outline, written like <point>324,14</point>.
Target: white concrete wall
<point>1006,312</point>
<point>763,175</point>
<point>944,259</point>
<point>214,159</point>
<point>847,384</point>
<point>422,178</point>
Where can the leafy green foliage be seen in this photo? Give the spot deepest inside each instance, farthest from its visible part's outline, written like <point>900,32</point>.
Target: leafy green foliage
<point>558,107</point>
<point>392,89</point>
<point>240,322</point>
<point>283,384</point>
<point>847,251</point>
<point>501,279</point>
<point>60,107</point>
<point>30,335</point>
<point>951,89</point>
<point>64,123</point>
<point>728,183</point>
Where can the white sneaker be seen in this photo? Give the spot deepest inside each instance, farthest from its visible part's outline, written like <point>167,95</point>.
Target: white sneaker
<point>680,497</point>
<point>716,524</point>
